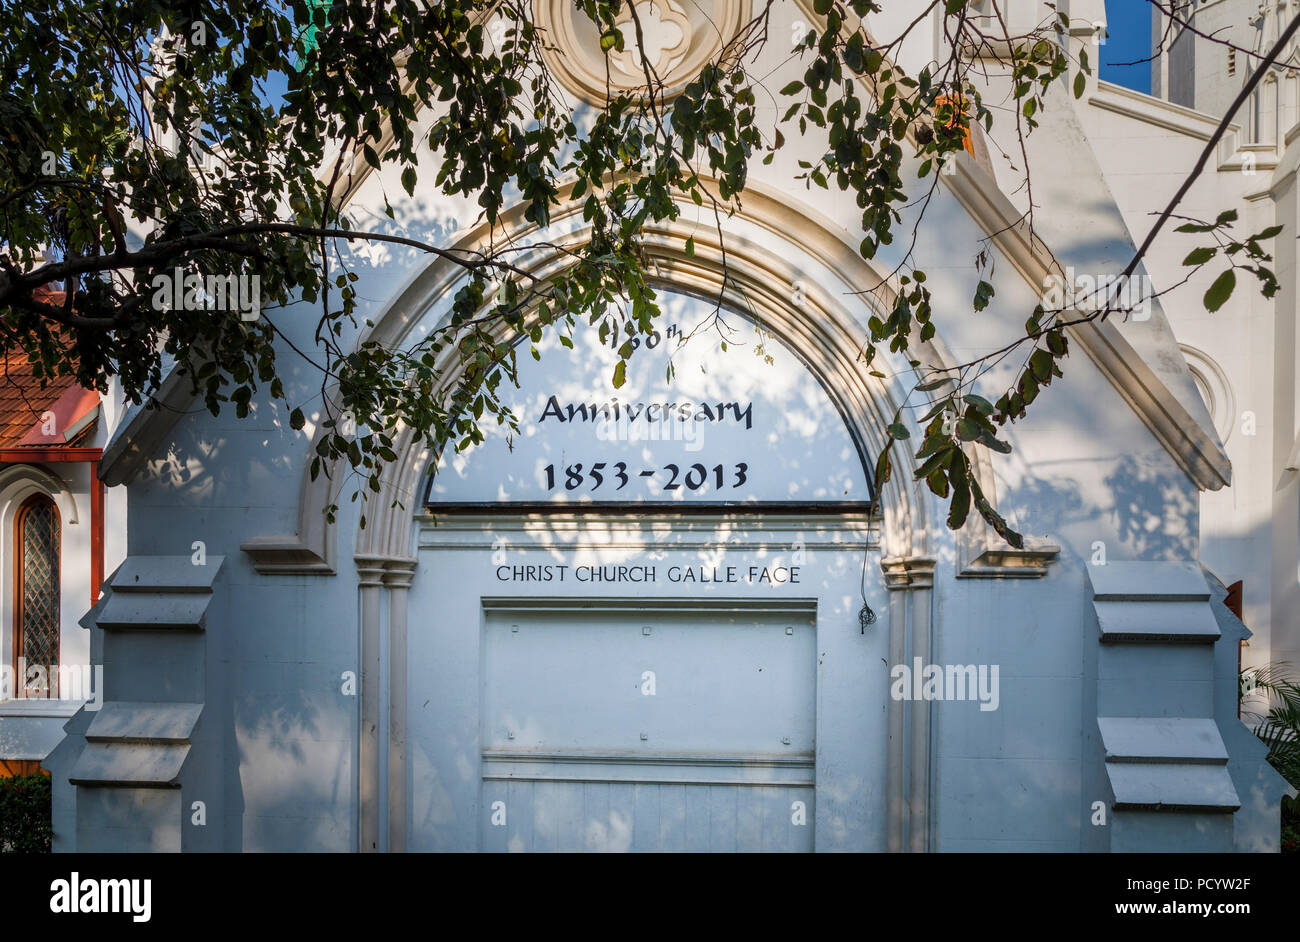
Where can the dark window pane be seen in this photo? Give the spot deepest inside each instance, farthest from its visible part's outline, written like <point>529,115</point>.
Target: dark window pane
<point>38,541</point>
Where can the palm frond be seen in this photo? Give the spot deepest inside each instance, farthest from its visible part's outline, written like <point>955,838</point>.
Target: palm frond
<point>1279,728</point>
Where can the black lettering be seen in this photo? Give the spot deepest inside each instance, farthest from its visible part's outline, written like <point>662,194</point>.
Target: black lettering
<point>748,414</point>
<point>552,408</point>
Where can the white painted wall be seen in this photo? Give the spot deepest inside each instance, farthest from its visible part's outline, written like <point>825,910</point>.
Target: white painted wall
<point>1086,470</point>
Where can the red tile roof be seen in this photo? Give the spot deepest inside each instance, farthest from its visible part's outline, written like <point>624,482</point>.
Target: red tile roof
<point>23,401</point>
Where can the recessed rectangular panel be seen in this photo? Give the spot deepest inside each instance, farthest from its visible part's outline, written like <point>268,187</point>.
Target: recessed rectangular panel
<point>652,683</point>
<point>645,730</point>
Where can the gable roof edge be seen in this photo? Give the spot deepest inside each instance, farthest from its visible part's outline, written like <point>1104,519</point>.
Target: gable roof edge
<point>1200,455</point>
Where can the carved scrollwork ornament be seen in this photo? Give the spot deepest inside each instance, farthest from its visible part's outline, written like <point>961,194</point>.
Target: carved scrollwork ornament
<point>680,37</point>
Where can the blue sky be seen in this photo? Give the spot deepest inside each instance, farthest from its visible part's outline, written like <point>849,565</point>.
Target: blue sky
<point>1129,38</point>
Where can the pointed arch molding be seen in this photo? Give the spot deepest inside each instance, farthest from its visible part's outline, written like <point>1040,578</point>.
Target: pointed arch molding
<point>16,479</point>
<point>760,281</point>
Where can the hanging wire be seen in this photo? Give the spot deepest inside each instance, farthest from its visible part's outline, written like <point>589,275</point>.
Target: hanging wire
<point>865,616</point>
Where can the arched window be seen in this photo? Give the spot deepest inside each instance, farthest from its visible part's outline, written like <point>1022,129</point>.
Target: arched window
<point>36,596</point>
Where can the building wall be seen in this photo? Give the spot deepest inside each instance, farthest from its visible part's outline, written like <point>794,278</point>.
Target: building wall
<point>1244,351</point>
<point>1085,470</point>
<point>277,756</point>
<point>30,728</point>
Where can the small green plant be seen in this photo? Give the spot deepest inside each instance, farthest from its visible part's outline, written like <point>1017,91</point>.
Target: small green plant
<point>25,814</point>
<point>1279,729</point>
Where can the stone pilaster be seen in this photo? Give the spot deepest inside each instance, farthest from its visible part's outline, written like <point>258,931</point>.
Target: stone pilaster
<point>398,580</point>
<point>912,581</point>
<point>370,573</point>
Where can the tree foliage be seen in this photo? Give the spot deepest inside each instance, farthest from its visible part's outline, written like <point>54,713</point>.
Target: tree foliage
<point>141,138</point>
<point>25,826</point>
<point>1279,726</point>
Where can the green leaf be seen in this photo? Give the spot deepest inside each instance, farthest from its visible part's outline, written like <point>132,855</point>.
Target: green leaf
<point>992,442</point>
<point>1200,256</point>
<point>960,506</point>
<point>408,180</point>
<point>993,518</point>
<point>1080,84</point>
<point>1220,291</point>
<point>1028,390</point>
<point>1040,363</point>
<point>884,468</point>
<point>620,374</point>
<point>941,448</point>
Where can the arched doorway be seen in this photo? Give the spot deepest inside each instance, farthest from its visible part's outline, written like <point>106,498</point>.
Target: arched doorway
<point>792,273</point>
<point>635,624</point>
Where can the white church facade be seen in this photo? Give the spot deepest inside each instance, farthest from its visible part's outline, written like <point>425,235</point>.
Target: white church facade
<point>682,615</point>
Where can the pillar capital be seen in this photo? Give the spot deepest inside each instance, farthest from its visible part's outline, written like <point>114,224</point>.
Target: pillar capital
<point>391,571</point>
<point>399,573</point>
<point>910,572</point>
